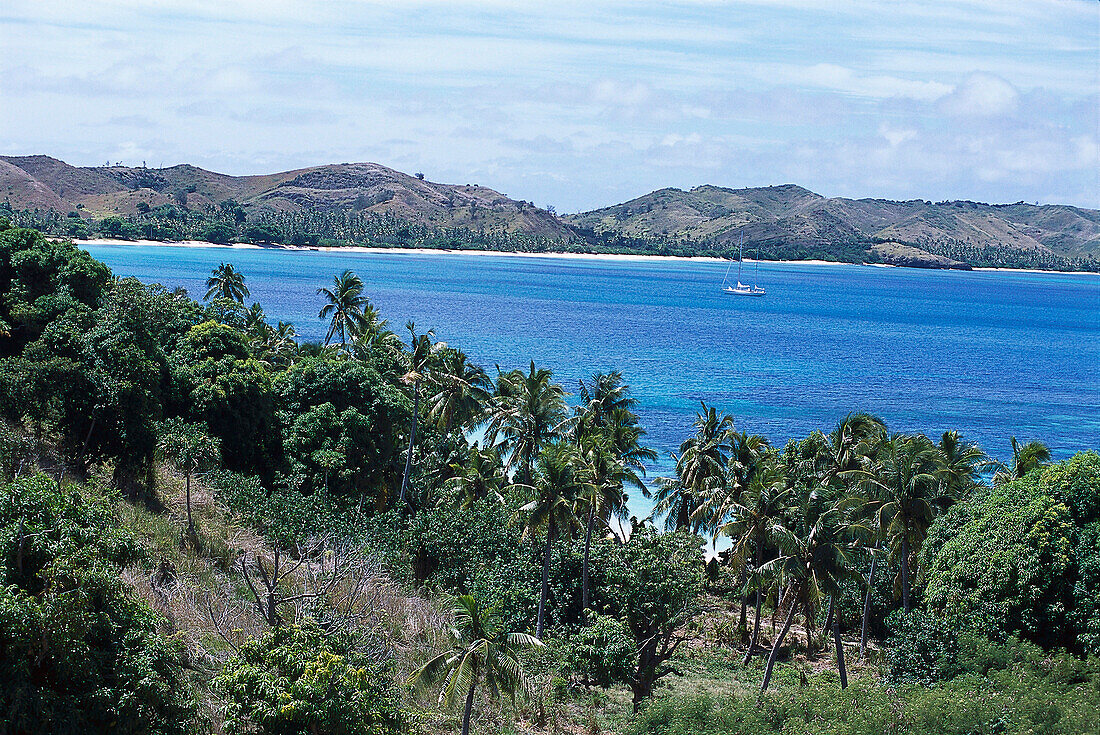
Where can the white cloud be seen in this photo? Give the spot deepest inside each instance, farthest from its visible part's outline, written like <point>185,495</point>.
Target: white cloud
<point>980,95</point>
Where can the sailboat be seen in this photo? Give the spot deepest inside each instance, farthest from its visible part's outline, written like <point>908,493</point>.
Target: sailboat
<point>741,289</point>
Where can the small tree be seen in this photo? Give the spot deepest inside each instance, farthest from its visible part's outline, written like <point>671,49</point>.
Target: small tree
<point>652,583</point>
<point>189,449</point>
<point>481,652</point>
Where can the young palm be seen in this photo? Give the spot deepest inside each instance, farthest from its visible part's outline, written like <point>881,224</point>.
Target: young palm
<point>700,472</point>
<point>526,413</point>
<point>557,486</point>
<point>422,356</point>
<point>481,652</point>
<point>226,282</point>
<point>462,391</point>
<point>1025,458</point>
<point>344,308</point>
<point>480,476</point>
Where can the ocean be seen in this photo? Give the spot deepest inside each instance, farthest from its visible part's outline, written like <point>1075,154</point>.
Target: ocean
<point>991,354</point>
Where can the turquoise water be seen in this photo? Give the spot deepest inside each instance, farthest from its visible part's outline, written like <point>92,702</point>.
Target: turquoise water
<point>990,354</point>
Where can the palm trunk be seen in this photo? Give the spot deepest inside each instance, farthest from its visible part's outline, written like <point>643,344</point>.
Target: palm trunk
<point>839,653</point>
<point>190,522</point>
<point>742,625</point>
<point>755,629</point>
<point>469,710</point>
<point>776,646</point>
<point>545,582</point>
<point>587,555</point>
<point>867,607</point>
<point>412,440</point>
<point>905,573</point>
<point>828,621</point>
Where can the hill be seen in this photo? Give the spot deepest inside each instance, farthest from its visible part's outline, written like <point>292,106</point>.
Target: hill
<point>360,203</point>
<point>800,223</point>
<point>42,182</point>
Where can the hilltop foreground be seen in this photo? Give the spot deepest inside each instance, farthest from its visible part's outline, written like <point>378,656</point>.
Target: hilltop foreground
<point>367,203</point>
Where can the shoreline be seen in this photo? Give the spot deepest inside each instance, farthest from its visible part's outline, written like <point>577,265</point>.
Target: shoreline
<point>629,257</point>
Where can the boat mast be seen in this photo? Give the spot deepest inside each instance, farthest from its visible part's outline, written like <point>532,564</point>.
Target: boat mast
<point>740,247</point>
<point>756,275</point>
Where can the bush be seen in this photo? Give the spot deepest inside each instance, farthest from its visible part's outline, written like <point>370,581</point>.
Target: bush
<point>602,652</point>
<point>78,653</point>
<point>294,680</point>
<point>1024,558</point>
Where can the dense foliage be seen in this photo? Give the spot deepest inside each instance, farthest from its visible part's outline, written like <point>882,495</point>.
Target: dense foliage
<point>321,495</point>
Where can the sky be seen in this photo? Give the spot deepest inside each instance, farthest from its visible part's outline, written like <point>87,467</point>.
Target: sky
<point>574,104</point>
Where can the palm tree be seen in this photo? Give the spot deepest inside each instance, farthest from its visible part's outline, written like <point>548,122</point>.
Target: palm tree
<point>344,307</point>
<point>462,391</point>
<point>481,653</point>
<point>908,489</point>
<point>480,476</point>
<point>526,412</point>
<point>963,463</point>
<point>815,562</point>
<point>603,394</point>
<point>421,354</point>
<point>700,471</point>
<point>553,511</point>
<point>1025,458</point>
<point>225,282</point>
<point>753,520</point>
<point>602,497</point>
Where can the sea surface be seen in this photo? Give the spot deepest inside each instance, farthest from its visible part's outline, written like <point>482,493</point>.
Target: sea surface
<point>992,354</point>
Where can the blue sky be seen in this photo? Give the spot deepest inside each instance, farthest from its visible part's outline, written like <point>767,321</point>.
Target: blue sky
<point>575,104</point>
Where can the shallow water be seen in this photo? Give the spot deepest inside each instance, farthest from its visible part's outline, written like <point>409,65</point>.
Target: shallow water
<point>992,354</point>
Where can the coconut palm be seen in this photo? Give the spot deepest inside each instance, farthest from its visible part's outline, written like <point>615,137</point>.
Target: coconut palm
<point>462,391</point>
<point>422,354</point>
<point>527,413</point>
<point>602,496</point>
<point>753,520</point>
<point>601,395</point>
<point>480,476</point>
<point>963,463</point>
<point>1025,458</point>
<point>226,282</point>
<point>481,652</point>
<point>700,471</point>
<point>557,487</point>
<point>344,308</point>
<point>815,561</point>
<point>908,491</point>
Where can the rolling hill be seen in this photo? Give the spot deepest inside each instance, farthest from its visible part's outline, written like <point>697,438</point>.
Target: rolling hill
<point>785,221</point>
<point>792,218</point>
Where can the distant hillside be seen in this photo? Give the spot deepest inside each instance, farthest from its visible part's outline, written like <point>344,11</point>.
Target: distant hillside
<point>360,203</point>
<point>800,223</point>
<point>29,182</point>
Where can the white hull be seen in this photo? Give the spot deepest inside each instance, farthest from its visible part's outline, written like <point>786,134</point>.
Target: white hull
<point>755,291</point>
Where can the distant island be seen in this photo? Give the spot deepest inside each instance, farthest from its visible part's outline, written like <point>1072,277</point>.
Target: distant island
<point>369,204</point>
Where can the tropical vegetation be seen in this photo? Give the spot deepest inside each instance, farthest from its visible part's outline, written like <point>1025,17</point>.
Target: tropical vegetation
<point>207,525</point>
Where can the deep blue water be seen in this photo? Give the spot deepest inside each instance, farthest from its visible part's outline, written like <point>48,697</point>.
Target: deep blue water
<point>992,354</point>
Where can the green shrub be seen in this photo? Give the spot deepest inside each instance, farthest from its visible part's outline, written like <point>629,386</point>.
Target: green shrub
<point>77,652</point>
<point>294,680</point>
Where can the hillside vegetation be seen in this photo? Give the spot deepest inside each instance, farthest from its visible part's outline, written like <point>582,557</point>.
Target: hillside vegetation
<point>369,204</point>
<point>209,526</point>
